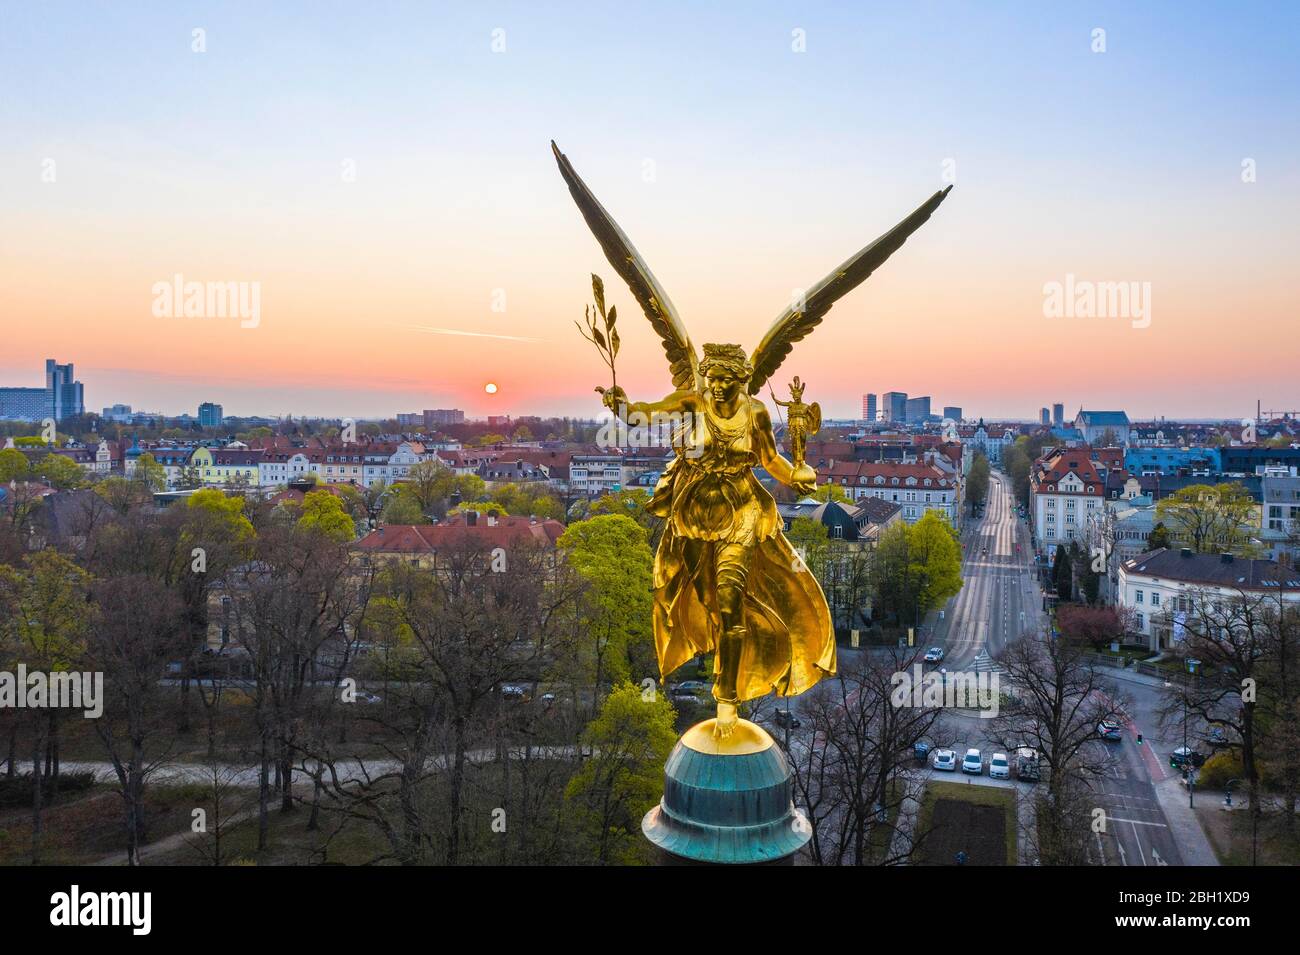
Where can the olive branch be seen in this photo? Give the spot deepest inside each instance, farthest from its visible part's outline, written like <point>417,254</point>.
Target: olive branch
<point>606,341</point>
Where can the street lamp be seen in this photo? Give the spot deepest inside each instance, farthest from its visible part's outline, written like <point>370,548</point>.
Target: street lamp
<point>1192,664</point>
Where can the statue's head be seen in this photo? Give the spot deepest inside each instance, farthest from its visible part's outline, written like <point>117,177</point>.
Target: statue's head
<point>725,370</point>
<point>796,389</point>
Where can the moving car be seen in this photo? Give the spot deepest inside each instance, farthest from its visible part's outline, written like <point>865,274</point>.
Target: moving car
<point>973,762</point>
<point>934,655</point>
<point>945,760</point>
<point>999,768</point>
<point>1110,732</point>
<point>683,695</point>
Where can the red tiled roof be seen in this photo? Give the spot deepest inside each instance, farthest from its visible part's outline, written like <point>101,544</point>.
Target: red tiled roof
<point>428,538</point>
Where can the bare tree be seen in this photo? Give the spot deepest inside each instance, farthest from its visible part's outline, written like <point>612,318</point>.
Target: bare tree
<point>1058,700</point>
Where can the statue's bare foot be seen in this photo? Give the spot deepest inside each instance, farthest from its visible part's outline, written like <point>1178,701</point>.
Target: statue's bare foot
<point>726,721</point>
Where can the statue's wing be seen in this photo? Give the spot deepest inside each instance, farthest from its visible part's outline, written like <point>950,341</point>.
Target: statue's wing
<point>795,323</point>
<point>645,287</point>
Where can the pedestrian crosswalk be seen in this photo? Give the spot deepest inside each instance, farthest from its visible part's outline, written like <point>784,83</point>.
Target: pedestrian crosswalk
<point>984,663</point>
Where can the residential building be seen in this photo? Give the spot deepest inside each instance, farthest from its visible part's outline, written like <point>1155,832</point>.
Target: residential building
<point>420,544</point>
<point>438,417</point>
<point>1066,488</point>
<point>1165,588</point>
<point>1102,427</point>
<point>1280,530</point>
<point>916,487</point>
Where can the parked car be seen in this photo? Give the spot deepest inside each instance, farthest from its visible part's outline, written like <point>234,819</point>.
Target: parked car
<point>784,717</point>
<point>999,767</point>
<point>694,686</point>
<point>1110,732</point>
<point>921,750</point>
<point>973,762</point>
<point>514,693</point>
<point>1184,755</point>
<point>934,655</point>
<point>364,696</point>
<point>945,760</point>
<point>1027,764</point>
<point>679,695</point>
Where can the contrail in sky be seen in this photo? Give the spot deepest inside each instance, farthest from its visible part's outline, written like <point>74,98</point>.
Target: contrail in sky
<point>456,331</point>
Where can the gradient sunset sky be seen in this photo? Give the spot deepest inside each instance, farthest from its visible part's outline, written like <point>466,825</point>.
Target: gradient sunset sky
<point>740,168</point>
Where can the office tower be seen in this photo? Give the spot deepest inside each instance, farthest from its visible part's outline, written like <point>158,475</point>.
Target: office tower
<point>1058,415</point>
<point>869,407</point>
<point>896,406</point>
<point>917,409</point>
<point>210,415</point>
<point>1045,418</point>
<point>952,412</point>
<point>65,391</point>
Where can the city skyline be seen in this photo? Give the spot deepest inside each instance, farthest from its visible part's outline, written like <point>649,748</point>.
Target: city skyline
<point>394,201</point>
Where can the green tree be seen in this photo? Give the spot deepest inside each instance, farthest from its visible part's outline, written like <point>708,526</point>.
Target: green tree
<point>60,472</point>
<point>611,554</point>
<point>323,513</point>
<point>1211,518</point>
<point>402,508</point>
<point>1159,537</point>
<point>629,741</point>
<point>936,554</point>
<point>831,492</point>
<point>13,466</point>
<point>1062,573</point>
<point>977,482</point>
<point>150,473</point>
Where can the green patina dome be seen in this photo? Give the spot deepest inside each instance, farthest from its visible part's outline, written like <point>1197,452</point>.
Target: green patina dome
<point>731,808</point>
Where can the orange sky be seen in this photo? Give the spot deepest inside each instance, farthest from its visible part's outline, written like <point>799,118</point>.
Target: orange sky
<point>768,171</point>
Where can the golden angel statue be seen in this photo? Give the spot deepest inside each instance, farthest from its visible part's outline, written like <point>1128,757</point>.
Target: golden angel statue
<point>726,580</point>
<point>801,421</point>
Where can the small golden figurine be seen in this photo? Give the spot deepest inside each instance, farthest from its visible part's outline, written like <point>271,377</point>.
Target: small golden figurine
<point>726,580</point>
<point>801,421</point>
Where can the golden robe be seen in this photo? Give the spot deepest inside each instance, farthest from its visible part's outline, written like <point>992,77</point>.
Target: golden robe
<point>709,494</point>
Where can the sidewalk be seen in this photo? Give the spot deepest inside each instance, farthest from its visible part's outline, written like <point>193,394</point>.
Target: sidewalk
<point>1193,844</point>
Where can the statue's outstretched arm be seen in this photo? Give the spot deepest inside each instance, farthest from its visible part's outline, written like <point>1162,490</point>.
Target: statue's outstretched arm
<point>685,400</point>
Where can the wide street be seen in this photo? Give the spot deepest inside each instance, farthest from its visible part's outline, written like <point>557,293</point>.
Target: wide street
<point>999,599</point>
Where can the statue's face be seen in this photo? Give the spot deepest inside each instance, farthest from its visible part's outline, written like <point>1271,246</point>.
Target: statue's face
<point>723,385</point>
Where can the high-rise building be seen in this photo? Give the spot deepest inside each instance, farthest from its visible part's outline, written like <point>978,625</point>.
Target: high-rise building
<point>66,399</point>
<point>1058,415</point>
<point>917,409</point>
<point>210,415</point>
<point>896,406</point>
<point>61,397</point>
<point>1045,417</point>
<point>952,412</point>
<point>869,407</point>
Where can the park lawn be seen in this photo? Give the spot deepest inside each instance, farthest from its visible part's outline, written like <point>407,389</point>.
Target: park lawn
<point>1230,836</point>
<point>979,820</point>
<point>85,827</point>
